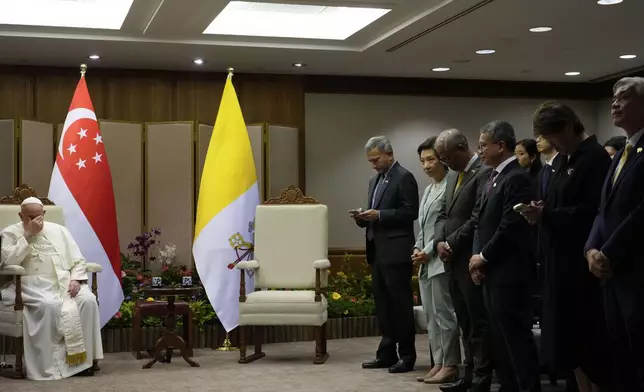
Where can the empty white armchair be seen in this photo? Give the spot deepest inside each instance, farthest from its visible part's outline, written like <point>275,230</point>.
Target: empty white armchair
<point>11,316</point>
<point>290,268</point>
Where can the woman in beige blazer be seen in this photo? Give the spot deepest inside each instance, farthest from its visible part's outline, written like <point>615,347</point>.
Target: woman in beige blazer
<point>442,327</point>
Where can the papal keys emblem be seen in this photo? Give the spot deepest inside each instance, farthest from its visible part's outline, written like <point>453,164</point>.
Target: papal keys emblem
<point>243,248</point>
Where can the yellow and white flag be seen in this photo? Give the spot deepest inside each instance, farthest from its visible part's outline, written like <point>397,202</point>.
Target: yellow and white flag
<point>228,196</point>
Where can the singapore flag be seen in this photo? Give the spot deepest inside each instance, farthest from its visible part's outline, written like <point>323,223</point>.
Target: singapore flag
<point>81,184</point>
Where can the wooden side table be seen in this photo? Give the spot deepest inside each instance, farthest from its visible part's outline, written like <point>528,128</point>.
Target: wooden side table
<point>170,338</point>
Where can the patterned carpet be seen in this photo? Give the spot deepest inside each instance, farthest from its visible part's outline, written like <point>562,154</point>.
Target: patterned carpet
<point>287,367</point>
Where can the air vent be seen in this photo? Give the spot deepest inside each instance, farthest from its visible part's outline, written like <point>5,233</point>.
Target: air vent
<point>442,24</point>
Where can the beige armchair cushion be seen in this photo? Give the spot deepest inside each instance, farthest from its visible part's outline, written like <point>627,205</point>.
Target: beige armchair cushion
<point>291,243</point>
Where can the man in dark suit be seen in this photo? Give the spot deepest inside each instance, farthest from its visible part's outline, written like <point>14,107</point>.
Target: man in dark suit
<point>454,234</point>
<point>614,247</point>
<point>389,222</point>
<point>503,260</point>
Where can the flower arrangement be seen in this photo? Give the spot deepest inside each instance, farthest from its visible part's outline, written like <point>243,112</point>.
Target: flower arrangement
<point>348,292</point>
<point>142,246</point>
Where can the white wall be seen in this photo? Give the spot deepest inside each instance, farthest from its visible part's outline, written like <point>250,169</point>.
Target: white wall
<point>337,127</point>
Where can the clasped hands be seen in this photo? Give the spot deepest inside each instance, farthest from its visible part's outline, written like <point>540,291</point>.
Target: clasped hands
<point>34,225</point>
<point>598,264</point>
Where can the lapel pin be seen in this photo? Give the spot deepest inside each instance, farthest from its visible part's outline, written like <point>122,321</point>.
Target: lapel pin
<point>639,149</point>
<point>570,171</point>
<point>494,184</point>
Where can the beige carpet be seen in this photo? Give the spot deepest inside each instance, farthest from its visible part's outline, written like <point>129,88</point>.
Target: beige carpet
<point>287,367</point>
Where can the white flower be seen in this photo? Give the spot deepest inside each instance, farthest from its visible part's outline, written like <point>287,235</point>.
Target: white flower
<point>168,254</point>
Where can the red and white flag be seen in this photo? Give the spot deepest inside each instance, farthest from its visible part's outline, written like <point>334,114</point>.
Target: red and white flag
<point>81,183</point>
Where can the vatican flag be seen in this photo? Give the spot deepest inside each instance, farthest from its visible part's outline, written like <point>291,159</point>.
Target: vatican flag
<point>228,196</point>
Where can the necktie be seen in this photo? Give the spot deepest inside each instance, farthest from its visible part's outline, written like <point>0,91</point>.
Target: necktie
<point>544,180</point>
<point>376,190</point>
<point>622,161</point>
<point>460,179</point>
<point>490,182</point>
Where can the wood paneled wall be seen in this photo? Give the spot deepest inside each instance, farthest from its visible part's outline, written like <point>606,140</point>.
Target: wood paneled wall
<point>44,94</point>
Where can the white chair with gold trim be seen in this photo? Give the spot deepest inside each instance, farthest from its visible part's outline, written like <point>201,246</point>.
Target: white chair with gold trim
<point>290,268</point>
<point>11,316</point>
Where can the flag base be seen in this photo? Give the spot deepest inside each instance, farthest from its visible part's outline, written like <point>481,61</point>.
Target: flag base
<point>227,345</point>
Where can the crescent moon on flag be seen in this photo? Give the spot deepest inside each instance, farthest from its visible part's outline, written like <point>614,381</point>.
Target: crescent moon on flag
<point>73,116</point>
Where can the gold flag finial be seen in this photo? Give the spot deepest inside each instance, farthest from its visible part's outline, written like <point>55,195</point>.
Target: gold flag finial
<point>230,72</point>
<point>83,68</point>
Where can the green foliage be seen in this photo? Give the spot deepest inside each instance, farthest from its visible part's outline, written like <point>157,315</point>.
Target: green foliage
<point>348,293</point>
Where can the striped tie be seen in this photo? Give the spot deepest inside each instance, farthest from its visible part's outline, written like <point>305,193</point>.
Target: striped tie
<point>622,161</point>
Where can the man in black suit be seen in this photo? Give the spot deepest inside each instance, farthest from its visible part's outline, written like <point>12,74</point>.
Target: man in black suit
<point>453,242</point>
<point>502,262</point>
<point>389,222</point>
<point>614,247</point>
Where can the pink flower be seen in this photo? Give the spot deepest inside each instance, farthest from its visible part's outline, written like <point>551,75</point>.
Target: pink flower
<point>139,277</point>
<point>187,273</point>
<point>123,274</point>
<point>118,315</point>
<point>165,268</point>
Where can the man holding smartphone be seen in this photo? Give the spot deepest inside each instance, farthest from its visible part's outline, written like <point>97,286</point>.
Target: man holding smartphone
<point>389,222</point>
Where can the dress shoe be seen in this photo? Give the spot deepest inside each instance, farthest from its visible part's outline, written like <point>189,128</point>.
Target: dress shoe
<point>85,373</point>
<point>460,385</point>
<point>377,364</point>
<point>444,376</point>
<point>402,367</point>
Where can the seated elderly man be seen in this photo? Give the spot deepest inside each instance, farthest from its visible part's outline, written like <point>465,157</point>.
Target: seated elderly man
<point>60,317</point>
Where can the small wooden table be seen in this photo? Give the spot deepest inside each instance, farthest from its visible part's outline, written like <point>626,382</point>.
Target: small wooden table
<point>170,339</point>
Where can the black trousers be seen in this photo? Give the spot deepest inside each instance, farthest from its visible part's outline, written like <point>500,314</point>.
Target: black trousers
<point>394,300</point>
<point>510,310</point>
<point>467,299</point>
<point>624,307</point>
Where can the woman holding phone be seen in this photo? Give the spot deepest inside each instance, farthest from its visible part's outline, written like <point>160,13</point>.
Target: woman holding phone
<point>572,326</point>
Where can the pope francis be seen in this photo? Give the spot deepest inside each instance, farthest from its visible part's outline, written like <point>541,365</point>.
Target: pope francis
<point>60,317</point>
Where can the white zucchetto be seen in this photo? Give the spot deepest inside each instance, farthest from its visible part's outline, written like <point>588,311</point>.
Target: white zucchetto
<point>31,200</point>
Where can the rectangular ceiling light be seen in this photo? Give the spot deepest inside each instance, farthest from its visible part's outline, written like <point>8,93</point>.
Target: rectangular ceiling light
<point>292,21</point>
<point>89,14</point>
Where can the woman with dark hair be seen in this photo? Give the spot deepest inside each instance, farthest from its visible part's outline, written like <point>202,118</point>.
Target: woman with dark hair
<point>528,156</point>
<point>572,323</point>
<point>614,144</point>
<point>442,327</point>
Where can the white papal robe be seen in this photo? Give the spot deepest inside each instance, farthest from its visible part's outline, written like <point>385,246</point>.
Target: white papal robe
<point>51,259</point>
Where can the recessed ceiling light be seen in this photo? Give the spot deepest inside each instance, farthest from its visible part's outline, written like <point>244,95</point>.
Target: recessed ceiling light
<point>257,19</point>
<point>299,65</point>
<point>543,29</point>
<point>574,73</point>
<point>627,56</point>
<point>94,57</point>
<point>95,14</point>
<point>608,2</point>
<point>198,61</point>
<point>440,69</point>
<point>485,51</point>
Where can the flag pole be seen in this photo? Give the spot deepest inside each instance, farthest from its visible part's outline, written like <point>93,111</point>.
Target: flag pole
<point>227,344</point>
<point>83,69</point>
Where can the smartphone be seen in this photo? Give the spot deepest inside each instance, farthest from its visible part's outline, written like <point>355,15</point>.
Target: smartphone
<point>355,211</point>
<point>521,207</point>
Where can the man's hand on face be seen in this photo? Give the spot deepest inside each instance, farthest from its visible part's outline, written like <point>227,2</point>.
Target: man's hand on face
<point>74,288</point>
<point>34,226</point>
